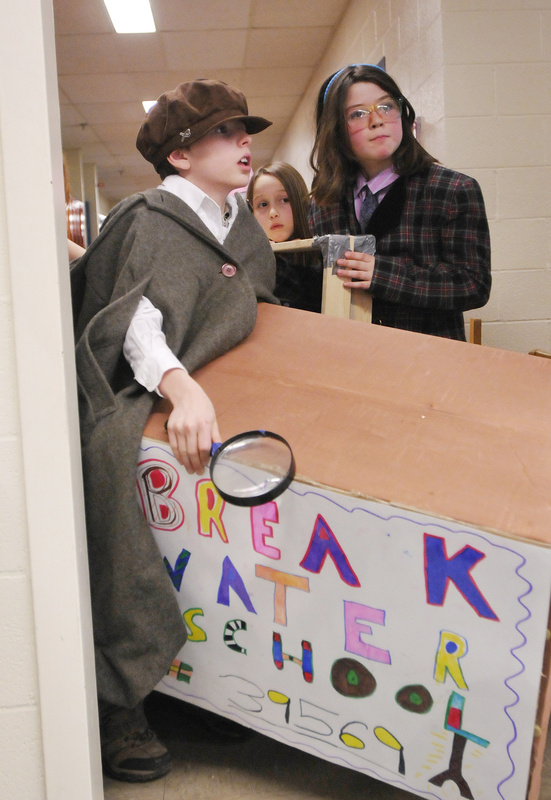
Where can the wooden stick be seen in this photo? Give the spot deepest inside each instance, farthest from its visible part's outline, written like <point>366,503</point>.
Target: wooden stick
<point>475,331</point>
<point>293,246</point>
<point>361,302</point>
<point>337,300</point>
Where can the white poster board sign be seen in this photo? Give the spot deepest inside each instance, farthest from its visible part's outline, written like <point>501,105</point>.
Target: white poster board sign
<point>400,645</point>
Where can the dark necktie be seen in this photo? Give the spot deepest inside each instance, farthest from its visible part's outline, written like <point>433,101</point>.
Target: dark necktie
<point>369,204</point>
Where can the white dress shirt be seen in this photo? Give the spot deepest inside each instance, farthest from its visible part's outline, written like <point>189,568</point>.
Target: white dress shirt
<point>145,346</point>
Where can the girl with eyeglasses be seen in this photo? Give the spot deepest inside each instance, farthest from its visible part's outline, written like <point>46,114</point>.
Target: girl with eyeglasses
<point>371,175</point>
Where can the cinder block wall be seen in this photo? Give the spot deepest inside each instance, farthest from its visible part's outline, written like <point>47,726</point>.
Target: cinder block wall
<point>479,77</point>
<point>498,124</point>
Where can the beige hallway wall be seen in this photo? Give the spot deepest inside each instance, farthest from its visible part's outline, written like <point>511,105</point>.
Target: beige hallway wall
<point>498,125</point>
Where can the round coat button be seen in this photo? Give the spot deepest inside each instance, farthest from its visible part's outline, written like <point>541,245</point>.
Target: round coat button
<point>229,270</point>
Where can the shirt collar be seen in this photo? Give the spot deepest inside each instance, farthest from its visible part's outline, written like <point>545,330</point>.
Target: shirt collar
<point>203,205</point>
<point>380,181</point>
<point>188,192</point>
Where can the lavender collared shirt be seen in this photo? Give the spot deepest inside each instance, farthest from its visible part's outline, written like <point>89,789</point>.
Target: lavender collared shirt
<point>379,186</point>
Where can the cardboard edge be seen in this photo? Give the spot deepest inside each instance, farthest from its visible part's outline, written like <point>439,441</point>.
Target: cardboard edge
<point>542,722</point>
<point>163,439</point>
<point>485,529</point>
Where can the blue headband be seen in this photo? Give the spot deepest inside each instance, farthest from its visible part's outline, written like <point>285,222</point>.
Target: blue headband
<point>336,75</point>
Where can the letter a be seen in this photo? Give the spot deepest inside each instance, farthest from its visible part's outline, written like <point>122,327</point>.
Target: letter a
<point>322,543</point>
<point>231,577</point>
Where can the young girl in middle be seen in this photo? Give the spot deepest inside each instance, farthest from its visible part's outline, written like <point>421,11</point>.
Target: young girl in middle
<point>278,197</point>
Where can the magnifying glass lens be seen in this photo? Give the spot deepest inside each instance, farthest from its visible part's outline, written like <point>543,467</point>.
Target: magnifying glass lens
<point>252,468</point>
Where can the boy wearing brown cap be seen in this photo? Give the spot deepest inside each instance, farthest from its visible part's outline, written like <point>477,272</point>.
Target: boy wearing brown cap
<point>171,283</point>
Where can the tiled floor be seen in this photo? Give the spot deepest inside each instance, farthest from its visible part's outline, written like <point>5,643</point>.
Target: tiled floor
<point>258,768</point>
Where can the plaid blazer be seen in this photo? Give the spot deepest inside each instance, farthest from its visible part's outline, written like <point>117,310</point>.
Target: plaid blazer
<point>432,257</point>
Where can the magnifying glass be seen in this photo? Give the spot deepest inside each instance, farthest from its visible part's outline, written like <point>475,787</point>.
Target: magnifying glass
<point>252,468</point>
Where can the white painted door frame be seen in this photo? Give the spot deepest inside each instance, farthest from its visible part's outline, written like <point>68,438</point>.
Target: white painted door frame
<point>30,149</point>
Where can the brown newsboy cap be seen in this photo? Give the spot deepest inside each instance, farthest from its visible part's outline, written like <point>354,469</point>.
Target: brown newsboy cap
<point>181,116</point>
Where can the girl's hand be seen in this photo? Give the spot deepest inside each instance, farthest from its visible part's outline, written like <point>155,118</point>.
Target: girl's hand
<point>356,266</point>
<point>192,425</point>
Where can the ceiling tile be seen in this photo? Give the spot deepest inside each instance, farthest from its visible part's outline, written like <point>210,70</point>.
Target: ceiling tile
<point>75,136</point>
<point>296,13</point>
<point>101,113</point>
<point>265,81</point>
<point>142,52</point>
<point>287,46</point>
<point>195,15</point>
<point>116,132</point>
<point>76,53</point>
<point>215,49</point>
<point>149,85</point>
<point>97,88</point>
<point>276,107</point>
<point>70,115</point>
<point>78,16</point>
<point>124,147</point>
<point>96,153</point>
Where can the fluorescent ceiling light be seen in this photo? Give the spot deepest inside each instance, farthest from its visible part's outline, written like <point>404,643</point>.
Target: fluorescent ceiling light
<point>147,104</point>
<point>131,16</point>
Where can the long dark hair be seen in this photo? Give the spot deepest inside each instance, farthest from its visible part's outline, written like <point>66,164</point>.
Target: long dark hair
<point>296,189</point>
<point>334,164</point>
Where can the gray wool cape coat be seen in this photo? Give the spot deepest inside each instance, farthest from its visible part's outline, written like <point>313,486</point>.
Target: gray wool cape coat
<point>151,244</point>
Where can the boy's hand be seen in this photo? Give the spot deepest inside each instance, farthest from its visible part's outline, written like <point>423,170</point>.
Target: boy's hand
<point>358,266</point>
<point>192,426</point>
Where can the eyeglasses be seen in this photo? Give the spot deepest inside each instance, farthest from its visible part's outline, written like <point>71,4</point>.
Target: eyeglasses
<point>389,111</point>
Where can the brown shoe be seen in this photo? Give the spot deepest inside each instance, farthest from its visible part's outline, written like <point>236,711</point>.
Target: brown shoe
<point>130,750</point>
